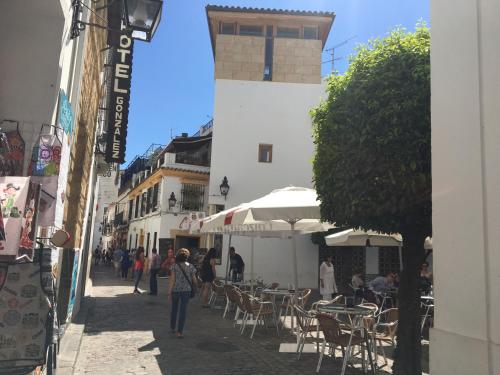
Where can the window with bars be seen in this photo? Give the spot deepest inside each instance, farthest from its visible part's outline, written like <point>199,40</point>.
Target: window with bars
<point>310,32</point>
<point>288,32</point>
<point>388,260</point>
<point>154,204</point>
<point>250,30</point>
<point>192,197</point>
<point>227,28</point>
<point>130,209</point>
<point>137,203</point>
<point>149,200</point>
<point>143,203</point>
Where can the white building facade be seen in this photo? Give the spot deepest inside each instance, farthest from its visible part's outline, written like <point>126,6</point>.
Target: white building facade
<point>162,194</point>
<point>465,56</point>
<point>267,79</point>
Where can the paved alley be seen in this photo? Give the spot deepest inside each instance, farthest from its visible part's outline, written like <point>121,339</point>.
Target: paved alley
<point>129,334</point>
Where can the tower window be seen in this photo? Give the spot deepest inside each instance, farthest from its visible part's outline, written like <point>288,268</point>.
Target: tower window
<point>228,28</point>
<point>250,30</point>
<point>265,153</point>
<point>288,32</point>
<point>310,32</point>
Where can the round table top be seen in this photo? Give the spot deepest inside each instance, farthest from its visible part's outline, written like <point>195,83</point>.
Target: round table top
<point>355,310</point>
<point>279,292</point>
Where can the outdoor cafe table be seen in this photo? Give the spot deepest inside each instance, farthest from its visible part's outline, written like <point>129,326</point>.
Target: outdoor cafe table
<point>280,293</point>
<point>356,313</point>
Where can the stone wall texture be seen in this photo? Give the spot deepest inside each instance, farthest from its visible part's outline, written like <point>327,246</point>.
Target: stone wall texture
<point>242,58</point>
<point>82,150</point>
<point>239,57</point>
<point>297,60</point>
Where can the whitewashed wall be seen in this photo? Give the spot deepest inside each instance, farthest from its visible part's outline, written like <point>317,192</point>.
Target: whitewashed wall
<point>248,113</point>
<point>466,183</point>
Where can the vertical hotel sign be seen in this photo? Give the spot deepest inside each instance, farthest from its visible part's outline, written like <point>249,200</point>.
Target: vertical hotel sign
<point>119,99</point>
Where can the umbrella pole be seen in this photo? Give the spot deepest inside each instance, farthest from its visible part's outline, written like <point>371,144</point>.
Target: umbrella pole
<point>294,250</point>
<point>228,258</point>
<point>251,265</point>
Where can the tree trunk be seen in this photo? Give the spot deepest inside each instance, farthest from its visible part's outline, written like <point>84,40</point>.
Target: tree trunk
<point>408,352</point>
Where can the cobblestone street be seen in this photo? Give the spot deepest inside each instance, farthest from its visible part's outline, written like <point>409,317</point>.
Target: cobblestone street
<point>129,334</point>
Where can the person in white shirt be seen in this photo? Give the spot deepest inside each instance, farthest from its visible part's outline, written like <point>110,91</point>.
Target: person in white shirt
<point>328,286</point>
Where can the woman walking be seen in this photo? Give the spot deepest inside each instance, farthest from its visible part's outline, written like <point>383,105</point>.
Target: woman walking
<point>327,279</point>
<point>138,268</point>
<point>181,288</point>
<point>207,274</point>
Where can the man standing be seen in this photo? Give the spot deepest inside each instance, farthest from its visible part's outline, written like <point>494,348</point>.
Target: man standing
<point>237,265</point>
<point>153,272</point>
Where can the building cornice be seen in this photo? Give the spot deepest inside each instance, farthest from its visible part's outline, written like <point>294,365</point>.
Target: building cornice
<point>184,174</point>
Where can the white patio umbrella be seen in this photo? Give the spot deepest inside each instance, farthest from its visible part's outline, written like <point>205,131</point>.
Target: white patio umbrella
<point>294,205</point>
<point>283,213</point>
<point>239,221</point>
<point>353,237</point>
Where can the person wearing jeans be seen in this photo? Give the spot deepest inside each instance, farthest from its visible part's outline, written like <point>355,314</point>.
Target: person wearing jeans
<point>153,272</point>
<point>181,288</point>
<point>138,268</point>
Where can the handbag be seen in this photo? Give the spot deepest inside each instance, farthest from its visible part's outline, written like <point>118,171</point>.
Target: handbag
<point>193,293</point>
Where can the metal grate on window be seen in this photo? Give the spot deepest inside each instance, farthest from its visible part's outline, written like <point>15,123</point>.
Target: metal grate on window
<point>250,30</point>
<point>192,197</point>
<point>388,260</point>
<point>310,32</point>
<point>288,32</point>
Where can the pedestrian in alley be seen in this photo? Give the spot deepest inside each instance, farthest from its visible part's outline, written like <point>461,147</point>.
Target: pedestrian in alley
<point>125,264</point>
<point>138,268</point>
<point>328,286</point>
<point>207,274</point>
<point>97,255</point>
<point>181,288</point>
<point>154,268</point>
<point>237,265</point>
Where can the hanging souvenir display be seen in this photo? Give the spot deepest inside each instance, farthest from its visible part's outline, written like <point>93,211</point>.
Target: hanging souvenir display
<point>16,154</point>
<point>29,222</point>
<point>7,166</point>
<point>47,203</point>
<point>26,317</point>
<point>19,209</point>
<point>46,156</point>
<point>13,155</point>
<point>2,231</point>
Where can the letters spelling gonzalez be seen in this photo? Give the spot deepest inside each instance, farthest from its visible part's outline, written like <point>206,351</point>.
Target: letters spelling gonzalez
<point>119,100</point>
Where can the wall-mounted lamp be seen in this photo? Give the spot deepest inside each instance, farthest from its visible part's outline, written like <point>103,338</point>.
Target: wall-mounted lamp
<point>171,201</point>
<point>141,18</point>
<point>100,144</point>
<point>224,187</point>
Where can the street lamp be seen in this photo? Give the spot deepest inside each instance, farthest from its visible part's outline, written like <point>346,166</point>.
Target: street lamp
<point>224,187</point>
<point>100,145</point>
<point>172,201</point>
<point>143,18</point>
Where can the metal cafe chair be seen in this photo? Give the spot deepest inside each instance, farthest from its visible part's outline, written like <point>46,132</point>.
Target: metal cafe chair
<point>336,337</point>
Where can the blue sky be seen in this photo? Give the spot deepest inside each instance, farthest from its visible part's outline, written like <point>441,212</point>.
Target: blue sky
<point>172,78</point>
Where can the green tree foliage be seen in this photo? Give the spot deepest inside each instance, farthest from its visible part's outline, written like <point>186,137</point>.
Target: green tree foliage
<point>372,166</point>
